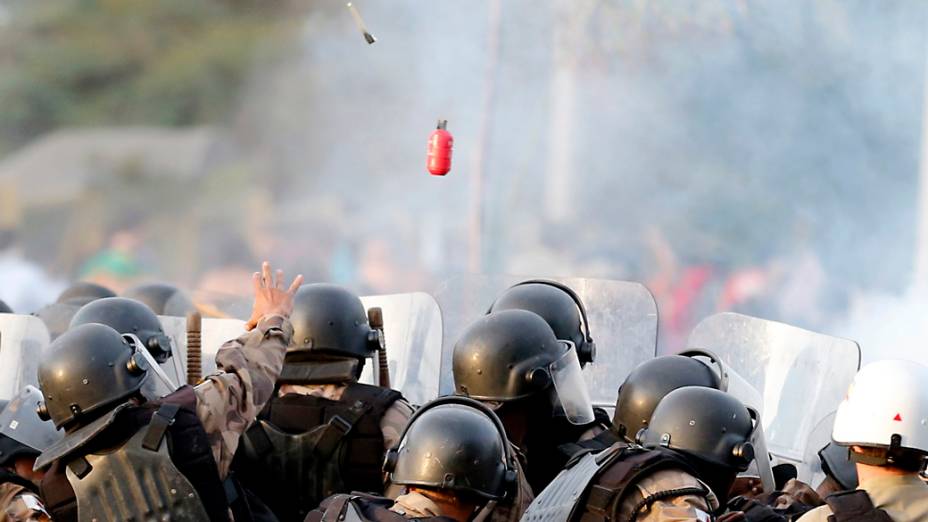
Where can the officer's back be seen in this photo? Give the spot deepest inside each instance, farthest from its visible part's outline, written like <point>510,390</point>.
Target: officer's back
<point>323,432</point>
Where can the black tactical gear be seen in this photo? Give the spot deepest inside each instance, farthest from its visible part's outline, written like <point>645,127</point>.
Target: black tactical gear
<point>22,432</point>
<point>357,507</point>
<point>128,316</point>
<point>559,306</point>
<point>644,388</point>
<point>457,444</point>
<point>305,448</point>
<point>162,298</point>
<point>512,357</point>
<point>88,370</point>
<point>854,506</point>
<point>154,451</point>
<point>505,356</point>
<point>594,487</point>
<point>705,423</point>
<point>83,292</point>
<point>330,320</point>
<point>837,464</point>
<point>717,434</point>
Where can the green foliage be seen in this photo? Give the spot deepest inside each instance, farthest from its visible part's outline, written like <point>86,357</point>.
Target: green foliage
<point>105,62</point>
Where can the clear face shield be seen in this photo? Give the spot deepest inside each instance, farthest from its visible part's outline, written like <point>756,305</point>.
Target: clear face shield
<point>760,466</point>
<point>158,386</point>
<point>567,377</point>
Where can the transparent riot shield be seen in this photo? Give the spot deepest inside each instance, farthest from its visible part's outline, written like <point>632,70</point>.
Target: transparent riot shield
<point>176,365</point>
<point>811,464</point>
<point>23,339</point>
<point>801,375</point>
<point>412,327</point>
<point>622,314</point>
<point>215,333</point>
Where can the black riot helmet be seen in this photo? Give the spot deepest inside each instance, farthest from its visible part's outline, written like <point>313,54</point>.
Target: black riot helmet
<point>650,382</point>
<point>128,316</point>
<point>90,369</point>
<point>162,298</point>
<point>457,444</point>
<point>83,292</point>
<point>708,424</point>
<point>22,432</point>
<point>514,354</point>
<point>5,308</point>
<point>558,305</point>
<point>329,320</point>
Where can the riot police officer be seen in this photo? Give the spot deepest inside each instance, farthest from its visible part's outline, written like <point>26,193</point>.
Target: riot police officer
<point>453,460</point>
<point>323,432</point>
<point>650,382</point>
<point>162,298</point>
<point>512,360</point>
<point>127,316</point>
<point>57,316</point>
<point>565,313</point>
<point>559,306</point>
<point>697,441</point>
<point>881,422</point>
<point>175,451</point>
<point>23,436</point>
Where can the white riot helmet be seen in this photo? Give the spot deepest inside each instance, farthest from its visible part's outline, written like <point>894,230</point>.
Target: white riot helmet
<point>886,407</point>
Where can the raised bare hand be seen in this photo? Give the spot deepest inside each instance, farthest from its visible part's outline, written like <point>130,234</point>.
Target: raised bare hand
<point>270,297</point>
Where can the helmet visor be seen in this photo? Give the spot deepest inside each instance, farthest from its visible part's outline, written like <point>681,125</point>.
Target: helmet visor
<point>761,454</point>
<point>572,394</point>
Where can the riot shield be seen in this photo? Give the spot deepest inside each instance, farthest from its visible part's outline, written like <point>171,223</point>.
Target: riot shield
<point>213,334</point>
<point>622,314</point>
<point>23,339</point>
<point>412,336</point>
<point>802,375</point>
<point>811,464</point>
<point>176,365</point>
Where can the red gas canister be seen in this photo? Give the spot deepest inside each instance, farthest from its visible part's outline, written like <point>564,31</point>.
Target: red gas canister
<point>439,153</point>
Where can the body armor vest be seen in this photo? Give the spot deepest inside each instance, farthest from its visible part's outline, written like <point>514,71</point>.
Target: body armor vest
<point>184,440</point>
<point>551,445</point>
<point>854,506</point>
<point>304,448</point>
<point>138,481</point>
<point>594,487</point>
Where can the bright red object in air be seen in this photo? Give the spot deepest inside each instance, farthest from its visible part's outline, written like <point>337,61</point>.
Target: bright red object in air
<point>439,153</point>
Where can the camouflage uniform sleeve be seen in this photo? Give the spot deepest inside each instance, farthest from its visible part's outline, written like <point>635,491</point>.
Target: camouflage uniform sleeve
<point>20,505</point>
<point>673,509</point>
<point>247,368</point>
<point>394,422</point>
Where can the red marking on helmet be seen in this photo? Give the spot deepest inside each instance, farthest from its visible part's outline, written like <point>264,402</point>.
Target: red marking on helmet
<point>898,418</point>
